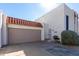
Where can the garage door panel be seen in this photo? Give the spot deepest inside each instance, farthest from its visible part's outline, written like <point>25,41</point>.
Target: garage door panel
<point>23,35</point>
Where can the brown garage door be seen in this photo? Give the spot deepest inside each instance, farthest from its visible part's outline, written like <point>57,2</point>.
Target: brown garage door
<point>23,35</point>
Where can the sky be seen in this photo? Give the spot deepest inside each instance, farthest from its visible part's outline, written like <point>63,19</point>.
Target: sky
<point>31,11</point>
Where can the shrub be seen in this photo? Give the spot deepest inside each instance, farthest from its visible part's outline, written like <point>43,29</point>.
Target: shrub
<point>70,38</point>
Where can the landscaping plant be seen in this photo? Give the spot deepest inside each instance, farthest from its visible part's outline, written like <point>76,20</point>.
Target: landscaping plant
<point>69,37</point>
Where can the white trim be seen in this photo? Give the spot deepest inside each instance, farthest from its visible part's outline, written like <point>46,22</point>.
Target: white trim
<point>23,27</point>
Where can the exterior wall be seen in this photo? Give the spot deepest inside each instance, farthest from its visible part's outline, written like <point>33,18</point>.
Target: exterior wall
<point>53,21</point>
<point>73,18</point>
<point>4,30</point>
<point>70,13</point>
<point>0,29</point>
<point>42,33</point>
<point>78,27</point>
<point>76,22</point>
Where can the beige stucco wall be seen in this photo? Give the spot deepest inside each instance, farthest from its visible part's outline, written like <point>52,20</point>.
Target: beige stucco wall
<point>70,13</point>
<point>4,30</point>
<point>72,26</point>
<point>76,23</point>
<point>0,29</point>
<point>56,20</point>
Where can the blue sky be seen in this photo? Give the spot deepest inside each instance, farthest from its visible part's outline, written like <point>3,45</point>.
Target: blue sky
<point>74,6</point>
<point>29,11</point>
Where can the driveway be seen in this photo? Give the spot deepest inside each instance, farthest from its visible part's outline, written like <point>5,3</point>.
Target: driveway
<point>26,49</point>
<point>57,49</point>
<point>39,49</point>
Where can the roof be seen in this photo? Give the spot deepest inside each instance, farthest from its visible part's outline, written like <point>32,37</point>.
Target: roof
<point>12,20</point>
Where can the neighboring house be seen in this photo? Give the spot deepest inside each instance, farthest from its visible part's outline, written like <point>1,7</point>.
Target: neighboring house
<point>14,30</point>
<point>59,19</point>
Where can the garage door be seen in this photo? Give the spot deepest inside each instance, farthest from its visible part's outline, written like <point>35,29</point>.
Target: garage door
<point>23,35</point>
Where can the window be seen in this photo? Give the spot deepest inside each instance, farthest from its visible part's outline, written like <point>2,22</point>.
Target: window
<point>67,22</point>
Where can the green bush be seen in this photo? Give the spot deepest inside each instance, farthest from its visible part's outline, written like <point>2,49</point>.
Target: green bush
<point>70,38</point>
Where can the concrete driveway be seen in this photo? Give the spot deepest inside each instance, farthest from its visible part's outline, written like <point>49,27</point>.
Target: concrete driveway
<point>26,49</point>
<point>39,49</point>
<point>57,49</point>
